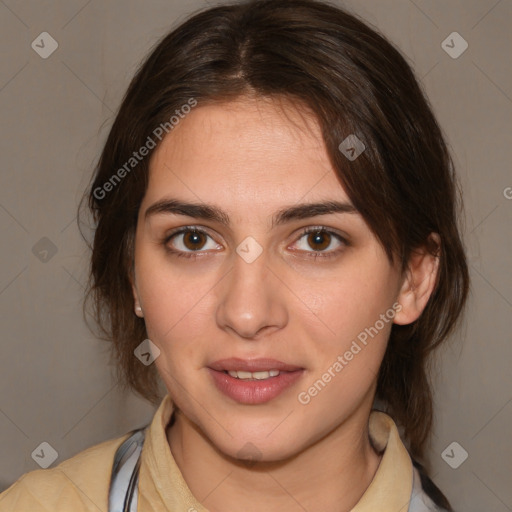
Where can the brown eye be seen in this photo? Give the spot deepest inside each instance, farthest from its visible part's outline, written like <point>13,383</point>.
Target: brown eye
<point>194,240</point>
<point>319,240</point>
<point>187,241</point>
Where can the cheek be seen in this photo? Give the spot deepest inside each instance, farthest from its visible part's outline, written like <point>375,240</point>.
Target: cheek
<point>354,338</point>
<point>352,302</point>
<point>173,299</point>
<point>346,370</point>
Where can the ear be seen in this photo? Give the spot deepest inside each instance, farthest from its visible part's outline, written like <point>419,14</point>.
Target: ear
<point>418,281</point>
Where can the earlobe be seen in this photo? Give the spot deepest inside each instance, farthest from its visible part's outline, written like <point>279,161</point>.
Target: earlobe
<point>137,306</point>
<point>418,283</point>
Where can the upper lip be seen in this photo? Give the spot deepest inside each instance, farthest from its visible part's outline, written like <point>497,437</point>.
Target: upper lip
<point>252,365</point>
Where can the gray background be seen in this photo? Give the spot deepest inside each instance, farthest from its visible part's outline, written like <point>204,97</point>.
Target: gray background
<point>55,377</point>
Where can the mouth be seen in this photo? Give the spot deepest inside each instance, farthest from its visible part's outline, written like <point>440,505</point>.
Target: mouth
<point>261,375</point>
<point>254,381</point>
<point>252,365</point>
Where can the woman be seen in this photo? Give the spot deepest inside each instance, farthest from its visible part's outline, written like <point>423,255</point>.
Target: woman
<point>277,243</point>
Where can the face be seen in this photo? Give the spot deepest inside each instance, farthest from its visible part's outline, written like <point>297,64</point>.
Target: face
<point>251,290</point>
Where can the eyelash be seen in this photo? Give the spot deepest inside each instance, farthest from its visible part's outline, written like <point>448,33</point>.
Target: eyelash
<point>305,231</point>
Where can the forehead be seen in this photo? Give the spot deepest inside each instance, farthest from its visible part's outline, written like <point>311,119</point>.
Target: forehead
<point>259,150</point>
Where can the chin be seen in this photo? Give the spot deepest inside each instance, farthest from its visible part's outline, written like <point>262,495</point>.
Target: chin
<point>253,449</point>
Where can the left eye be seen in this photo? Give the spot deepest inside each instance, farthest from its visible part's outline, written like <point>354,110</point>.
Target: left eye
<point>320,239</point>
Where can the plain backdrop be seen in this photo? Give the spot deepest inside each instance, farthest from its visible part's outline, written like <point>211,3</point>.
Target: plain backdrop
<point>56,381</point>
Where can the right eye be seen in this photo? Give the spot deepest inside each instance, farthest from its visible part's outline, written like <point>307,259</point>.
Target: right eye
<point>188,240</point>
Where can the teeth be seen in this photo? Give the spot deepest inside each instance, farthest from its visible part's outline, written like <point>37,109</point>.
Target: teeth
<point>239,374</point>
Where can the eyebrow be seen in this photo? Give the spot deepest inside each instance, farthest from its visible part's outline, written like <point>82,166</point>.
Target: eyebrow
<point>214,213</point>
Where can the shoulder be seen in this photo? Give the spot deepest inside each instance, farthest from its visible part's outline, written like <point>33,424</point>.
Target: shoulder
<point>80,483</point>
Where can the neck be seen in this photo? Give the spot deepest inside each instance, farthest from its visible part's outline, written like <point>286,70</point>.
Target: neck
<point>331,475</point>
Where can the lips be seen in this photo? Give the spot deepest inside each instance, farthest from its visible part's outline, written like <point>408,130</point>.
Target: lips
<point>253,381</point>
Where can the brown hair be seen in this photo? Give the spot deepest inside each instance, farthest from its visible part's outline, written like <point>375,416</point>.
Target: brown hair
<point>355,82</point>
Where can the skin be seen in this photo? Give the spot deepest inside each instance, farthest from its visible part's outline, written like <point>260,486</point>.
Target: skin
<point>252,157</point>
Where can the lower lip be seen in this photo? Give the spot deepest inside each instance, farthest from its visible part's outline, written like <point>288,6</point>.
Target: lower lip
<point>254,391</point>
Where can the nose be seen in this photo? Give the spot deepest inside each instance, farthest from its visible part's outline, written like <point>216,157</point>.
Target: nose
<point>252,299</point>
